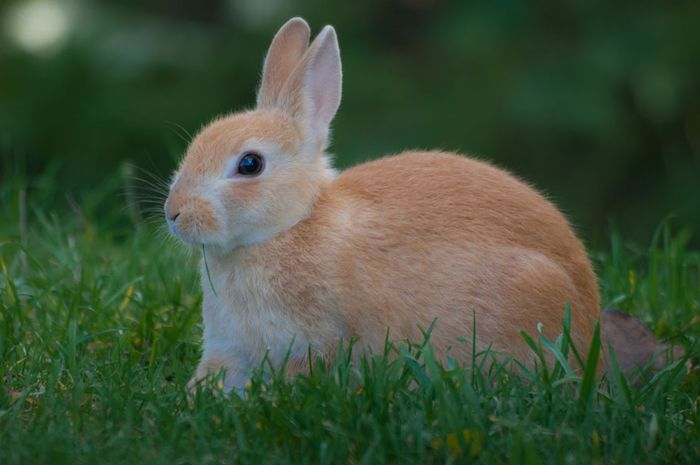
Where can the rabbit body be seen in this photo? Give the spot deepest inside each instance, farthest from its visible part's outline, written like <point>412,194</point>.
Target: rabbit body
<point>299,254</point>
<point>397,243</point>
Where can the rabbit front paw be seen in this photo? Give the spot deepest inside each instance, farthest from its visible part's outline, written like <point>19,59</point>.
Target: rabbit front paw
<point>219,373</point>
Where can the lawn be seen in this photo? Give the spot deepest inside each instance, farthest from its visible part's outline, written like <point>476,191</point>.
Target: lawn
<point>99,334</point>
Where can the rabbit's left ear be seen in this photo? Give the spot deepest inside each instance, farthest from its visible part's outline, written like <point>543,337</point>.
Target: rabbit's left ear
<point>286,51</point>
<point>312,92</point>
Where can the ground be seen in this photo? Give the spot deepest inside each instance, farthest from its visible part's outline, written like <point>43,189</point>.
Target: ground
<point>99,334</point>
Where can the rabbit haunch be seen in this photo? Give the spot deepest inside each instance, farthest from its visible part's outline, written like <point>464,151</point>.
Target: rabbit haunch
<point>297,253</point>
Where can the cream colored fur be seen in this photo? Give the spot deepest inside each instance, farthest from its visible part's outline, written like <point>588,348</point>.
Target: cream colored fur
<point>301,254</point>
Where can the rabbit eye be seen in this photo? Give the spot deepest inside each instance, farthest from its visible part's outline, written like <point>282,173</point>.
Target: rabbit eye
<point>251,164</point>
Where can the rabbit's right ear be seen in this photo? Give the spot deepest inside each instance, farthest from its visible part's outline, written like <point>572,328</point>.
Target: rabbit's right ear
<point>286,50</point>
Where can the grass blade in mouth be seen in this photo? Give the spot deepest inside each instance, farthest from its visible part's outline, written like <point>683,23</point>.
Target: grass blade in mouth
<point>206,267</point>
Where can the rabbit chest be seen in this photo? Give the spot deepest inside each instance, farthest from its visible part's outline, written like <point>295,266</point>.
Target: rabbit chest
<point>245,317</point>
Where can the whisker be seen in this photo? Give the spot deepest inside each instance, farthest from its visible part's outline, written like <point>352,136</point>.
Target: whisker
<point>152,202</point>
<point>149,184</point>
<point>148,177</point>
<point>145,193</point>
<point>150,174</point>
<point>183,134</point>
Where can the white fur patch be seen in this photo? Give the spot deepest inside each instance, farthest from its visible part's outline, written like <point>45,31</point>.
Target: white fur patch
<point>242,325</point>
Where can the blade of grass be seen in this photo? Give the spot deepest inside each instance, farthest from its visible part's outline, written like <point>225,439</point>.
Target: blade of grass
<point>590,371</point>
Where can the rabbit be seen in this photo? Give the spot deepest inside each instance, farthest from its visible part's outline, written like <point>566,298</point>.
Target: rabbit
<point>299,256</point>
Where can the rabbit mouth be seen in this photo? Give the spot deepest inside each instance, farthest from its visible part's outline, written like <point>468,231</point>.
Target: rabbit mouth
<point>193,228</point>
<point>177,231</point>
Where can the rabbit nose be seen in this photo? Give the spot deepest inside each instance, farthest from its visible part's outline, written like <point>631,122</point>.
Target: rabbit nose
<point>174,216</point>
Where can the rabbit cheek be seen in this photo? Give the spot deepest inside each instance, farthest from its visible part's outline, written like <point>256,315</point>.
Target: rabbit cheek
<point>243,203</point>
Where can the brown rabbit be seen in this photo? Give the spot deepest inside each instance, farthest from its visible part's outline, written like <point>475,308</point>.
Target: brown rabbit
<point>297,252</point>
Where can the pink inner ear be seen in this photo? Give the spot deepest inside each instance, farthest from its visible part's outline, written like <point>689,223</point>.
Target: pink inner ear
<point>324,82</point>
<point>324,92</point>
<point>286,50</point>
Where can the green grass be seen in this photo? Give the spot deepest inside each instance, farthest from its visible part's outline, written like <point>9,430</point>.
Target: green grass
<point>99,331</point>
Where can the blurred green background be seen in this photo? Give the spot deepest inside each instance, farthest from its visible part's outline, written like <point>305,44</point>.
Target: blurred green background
<point>595,102</point>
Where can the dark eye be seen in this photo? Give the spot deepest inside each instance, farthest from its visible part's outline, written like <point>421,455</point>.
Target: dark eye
<point>250,164</point>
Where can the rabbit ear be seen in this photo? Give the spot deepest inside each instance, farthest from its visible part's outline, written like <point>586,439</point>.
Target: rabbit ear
<point>312,92</point>
<point>286,50</point>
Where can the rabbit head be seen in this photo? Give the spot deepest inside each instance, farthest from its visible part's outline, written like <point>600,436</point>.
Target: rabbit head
<point>251,175</point>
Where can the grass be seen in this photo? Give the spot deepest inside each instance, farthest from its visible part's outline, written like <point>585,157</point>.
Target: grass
<point>99,334</point>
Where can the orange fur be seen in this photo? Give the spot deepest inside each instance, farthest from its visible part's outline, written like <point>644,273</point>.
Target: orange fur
<point>298,254</point>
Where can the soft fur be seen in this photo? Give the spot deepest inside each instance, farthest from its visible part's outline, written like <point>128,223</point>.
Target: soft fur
<point>302,254</point>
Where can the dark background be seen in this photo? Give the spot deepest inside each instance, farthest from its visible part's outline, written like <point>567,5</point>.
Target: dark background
<point>597,103</point>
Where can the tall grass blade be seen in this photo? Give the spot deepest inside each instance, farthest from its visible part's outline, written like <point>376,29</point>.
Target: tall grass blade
<point>590,371</point>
